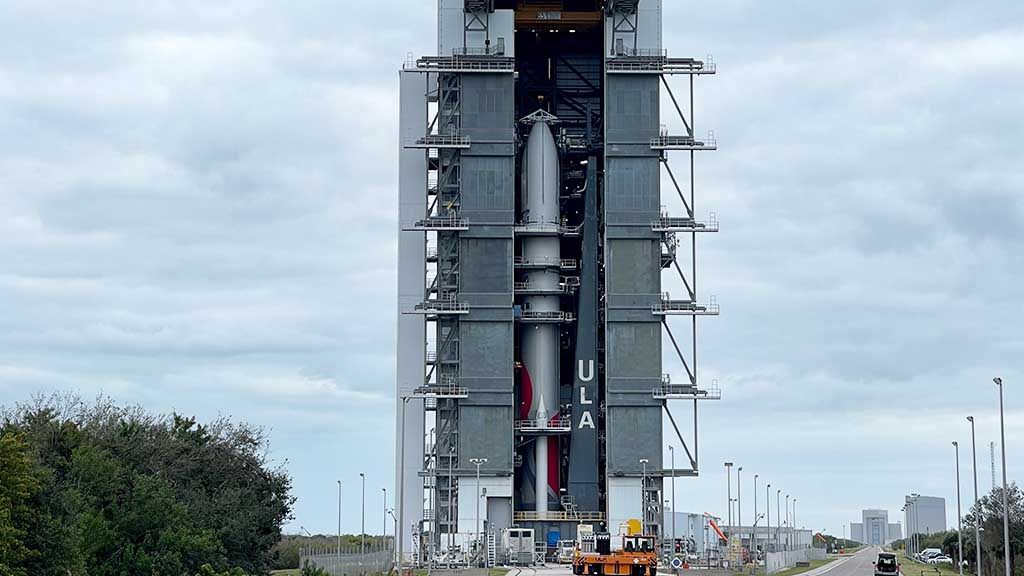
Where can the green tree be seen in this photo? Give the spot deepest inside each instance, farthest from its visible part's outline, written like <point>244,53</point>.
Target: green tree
<point>988,513</point>
<point>18,483</point>
<point>120,491</point>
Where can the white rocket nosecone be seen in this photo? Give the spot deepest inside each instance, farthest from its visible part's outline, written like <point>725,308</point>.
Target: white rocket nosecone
<point>539,342</point>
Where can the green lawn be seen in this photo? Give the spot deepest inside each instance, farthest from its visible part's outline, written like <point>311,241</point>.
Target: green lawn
<point>802,569</point>
<point>292,572</point>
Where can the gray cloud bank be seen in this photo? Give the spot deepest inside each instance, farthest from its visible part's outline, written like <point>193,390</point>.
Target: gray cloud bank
<point>197,212</point>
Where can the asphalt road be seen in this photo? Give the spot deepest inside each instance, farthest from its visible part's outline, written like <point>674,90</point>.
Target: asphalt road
<point>860,564</point>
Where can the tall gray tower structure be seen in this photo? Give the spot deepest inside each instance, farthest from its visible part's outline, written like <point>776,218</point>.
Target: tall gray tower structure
<point>532,246</point>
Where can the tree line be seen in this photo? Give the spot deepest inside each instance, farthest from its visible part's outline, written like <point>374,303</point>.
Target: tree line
<point>103,490</point>
<point>988,515</point>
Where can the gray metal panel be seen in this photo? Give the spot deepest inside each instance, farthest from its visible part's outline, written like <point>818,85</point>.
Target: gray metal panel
<point>634,433</point>
<point>633,190</point>
<point>633,106</point>
<point>488,107</point>
<point>486,356</point>
<point>411,341</point>
<point>634,352</point>
<point>486,266</point>
<point>488,189</point>
<point>486,432</point>
<point>635,267</point>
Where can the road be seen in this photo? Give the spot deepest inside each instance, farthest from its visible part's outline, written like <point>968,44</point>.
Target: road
<point>861,563</point>
<point>858,564</point>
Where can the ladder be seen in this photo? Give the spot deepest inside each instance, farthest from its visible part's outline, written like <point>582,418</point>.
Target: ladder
<point>492,549</point>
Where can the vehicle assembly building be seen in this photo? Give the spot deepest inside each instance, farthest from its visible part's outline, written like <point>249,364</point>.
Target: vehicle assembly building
<point>534,181</point>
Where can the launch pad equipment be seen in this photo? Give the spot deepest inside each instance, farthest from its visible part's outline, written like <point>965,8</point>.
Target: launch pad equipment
<point>638,557</point>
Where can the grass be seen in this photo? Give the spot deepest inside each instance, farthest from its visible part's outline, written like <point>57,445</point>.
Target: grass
<point>291,572</point>
<point>802,569</point>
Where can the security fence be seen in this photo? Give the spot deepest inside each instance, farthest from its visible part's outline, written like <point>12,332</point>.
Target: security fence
<point>351,561</point>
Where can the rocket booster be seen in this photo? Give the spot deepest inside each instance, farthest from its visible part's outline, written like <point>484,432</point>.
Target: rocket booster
<point>540,342</point>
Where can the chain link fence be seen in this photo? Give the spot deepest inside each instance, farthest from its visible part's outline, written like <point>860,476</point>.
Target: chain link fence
<point>351,561</point>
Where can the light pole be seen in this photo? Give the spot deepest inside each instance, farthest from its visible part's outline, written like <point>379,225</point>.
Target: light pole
<point>478,462</point>
<point>959,520</point>
<point>672,463</point>
<point>778,519</point>
<point>753,531</point>
<point>362,521</point>
<point>384,526</point>
<point>400,504</point>
<point>796,541</point>
<point>339,519</point>
<point>739,508</point>
<point>977,523</point>
<point>1006,508</point>
<point>728,491</point>
<point>788,525</point>
<point>768,518</point>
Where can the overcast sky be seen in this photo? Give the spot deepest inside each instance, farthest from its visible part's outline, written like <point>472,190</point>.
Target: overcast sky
<point>198,213</point>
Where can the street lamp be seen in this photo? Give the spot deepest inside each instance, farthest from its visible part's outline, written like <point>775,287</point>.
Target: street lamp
<point>478,462</point>
<point>362,521</point>
<point>339,519</point>
<point>400,504</point>
<point>768,518</point>
<point>796,541</point>
<point>739,507</point>
<point>789,525</point>
<point>977,522</point>
<point>959,520</point>
<point>385,525</point>
<point>753,531</point>
<point>1006,508</point>
<point>728,491</point>
<point>778,519</point>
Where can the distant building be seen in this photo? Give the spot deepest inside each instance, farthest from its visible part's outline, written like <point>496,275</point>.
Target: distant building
<point>874,528</point>
<point>925,514</point>
<point>695,532</point>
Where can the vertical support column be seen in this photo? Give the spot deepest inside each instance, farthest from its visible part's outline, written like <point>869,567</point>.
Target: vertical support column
<point>411,343</point>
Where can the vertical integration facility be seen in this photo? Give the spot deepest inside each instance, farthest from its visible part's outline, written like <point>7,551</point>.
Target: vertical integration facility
<point>540,151</point>
<point>874,528</point>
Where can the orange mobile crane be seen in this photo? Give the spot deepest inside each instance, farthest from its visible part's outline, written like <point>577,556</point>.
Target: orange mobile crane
<point>638,557</point>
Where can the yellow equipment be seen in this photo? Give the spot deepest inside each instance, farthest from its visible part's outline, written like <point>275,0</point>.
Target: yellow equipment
<point>638,557</point>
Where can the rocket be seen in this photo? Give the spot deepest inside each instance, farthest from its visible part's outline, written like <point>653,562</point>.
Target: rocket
<point>540,342</point>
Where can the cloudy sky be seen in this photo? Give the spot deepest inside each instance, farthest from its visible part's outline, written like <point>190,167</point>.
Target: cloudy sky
<point>198,213</point>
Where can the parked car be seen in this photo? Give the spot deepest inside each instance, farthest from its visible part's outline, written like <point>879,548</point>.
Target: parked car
<point>941,559</point>
<point>886,564</point>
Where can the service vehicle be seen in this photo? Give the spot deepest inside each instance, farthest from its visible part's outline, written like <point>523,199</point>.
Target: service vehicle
<point>886,564</point>
<point>637,557</point>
